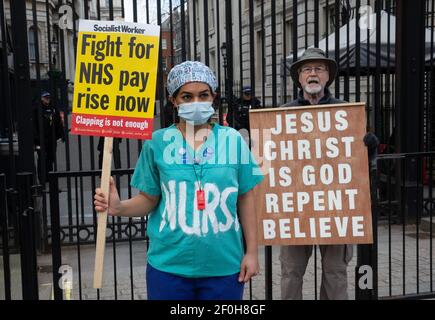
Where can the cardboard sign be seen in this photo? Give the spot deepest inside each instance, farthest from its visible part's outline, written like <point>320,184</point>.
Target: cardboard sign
<point>115,80</point>
<point>316,188</point>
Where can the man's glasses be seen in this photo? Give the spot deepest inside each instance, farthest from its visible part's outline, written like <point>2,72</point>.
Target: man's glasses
<point>308,70</point>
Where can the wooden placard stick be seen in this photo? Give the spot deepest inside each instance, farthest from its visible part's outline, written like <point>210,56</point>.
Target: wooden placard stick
<point>102,216</point>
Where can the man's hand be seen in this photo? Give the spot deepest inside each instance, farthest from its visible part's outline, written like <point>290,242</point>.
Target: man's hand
<point>372,142</point>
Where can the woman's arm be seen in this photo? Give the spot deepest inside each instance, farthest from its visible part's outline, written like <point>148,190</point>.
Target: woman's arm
<point>138,206</point>
<point>248,220</point>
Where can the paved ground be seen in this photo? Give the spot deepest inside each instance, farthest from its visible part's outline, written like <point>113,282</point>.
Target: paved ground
<point>82,266</point>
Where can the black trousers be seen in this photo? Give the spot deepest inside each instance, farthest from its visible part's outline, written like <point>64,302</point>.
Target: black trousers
<point>116,152</point>
<point>50,158</point>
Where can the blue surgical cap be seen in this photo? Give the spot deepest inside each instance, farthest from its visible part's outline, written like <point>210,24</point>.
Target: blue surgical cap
<point>190,71</point>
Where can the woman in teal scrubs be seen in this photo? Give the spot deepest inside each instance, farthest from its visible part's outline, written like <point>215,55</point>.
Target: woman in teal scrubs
<point>195,181</point>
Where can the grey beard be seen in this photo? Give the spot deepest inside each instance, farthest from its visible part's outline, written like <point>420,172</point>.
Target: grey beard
<point>313,90</point>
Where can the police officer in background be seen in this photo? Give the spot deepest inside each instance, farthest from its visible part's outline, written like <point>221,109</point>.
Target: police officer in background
<point>238,116</point>
<point>51,131</point>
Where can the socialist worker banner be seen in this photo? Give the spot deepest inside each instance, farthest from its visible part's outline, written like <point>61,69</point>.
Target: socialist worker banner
<point>316,188</point>
<point>115,79</point>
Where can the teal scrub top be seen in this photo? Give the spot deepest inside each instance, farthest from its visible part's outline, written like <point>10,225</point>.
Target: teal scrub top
<point>184,240</point>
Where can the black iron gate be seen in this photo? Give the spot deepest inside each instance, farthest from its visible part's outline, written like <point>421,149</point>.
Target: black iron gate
<point>381,62</point>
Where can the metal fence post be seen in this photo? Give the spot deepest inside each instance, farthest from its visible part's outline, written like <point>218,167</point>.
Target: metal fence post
<point>268,272</point>
<point>29,274</point>
<point>55,235</point>
<point>12,217</point>
<point>40,217</point>
<point>229,49</point>
<point>5,236</point>
<point>366,269</point>
<point>22,78</point>
<point>410,61</point>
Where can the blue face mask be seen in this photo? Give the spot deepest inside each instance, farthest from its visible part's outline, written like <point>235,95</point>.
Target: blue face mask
<point>196,112</point>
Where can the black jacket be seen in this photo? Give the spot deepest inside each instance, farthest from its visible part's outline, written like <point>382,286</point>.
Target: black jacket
<point>238,115</point>
<point>51,122</point>
<point>301,101</point>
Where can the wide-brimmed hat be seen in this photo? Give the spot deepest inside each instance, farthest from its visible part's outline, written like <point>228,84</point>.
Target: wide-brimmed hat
<point>313,54</point>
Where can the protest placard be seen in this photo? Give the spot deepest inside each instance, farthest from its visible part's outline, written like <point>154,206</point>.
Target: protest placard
<point>316,189</point>
<point>114,94</point>
<point>115,80</point>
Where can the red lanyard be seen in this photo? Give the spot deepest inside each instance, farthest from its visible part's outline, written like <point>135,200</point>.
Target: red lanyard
<point>200,197</point>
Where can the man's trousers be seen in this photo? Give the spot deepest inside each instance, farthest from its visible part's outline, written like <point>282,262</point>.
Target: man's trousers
<point>294,261</point>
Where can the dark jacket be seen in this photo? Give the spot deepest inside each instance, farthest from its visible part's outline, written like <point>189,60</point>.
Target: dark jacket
<point>238,115</point>
<point>51,122</point>
<point>301,101</point>
<point>170,114</point>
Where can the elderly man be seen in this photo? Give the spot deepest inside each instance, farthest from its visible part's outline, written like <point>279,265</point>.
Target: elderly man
<point>314,73</point>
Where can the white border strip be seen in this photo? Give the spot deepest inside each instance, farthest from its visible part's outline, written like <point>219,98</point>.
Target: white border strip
<point>319,106</point>
<point>119,27</point>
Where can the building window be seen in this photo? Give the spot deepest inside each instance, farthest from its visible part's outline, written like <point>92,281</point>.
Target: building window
<point>9,38</point>
<point>344,15</point>
<point>164,44</point>
<point>259,56</point>
<point>32,43</point>
<point>257,3</point>
<point>197,20</point>
<point>211,14</point>
<point>288,37</point>
<point>329,14</point>
<point>212,60</point>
